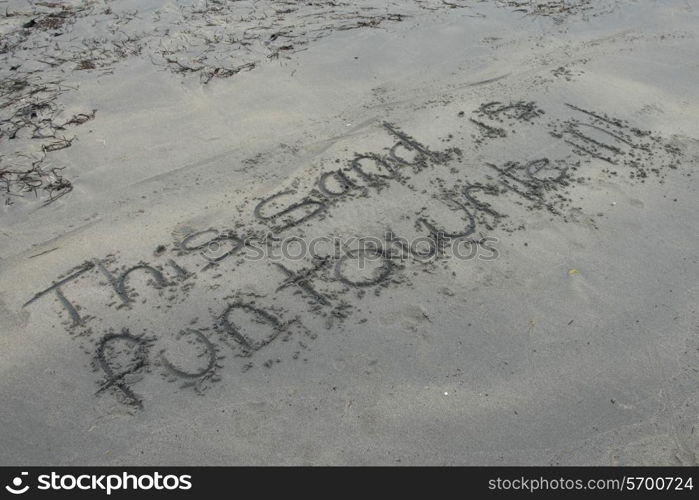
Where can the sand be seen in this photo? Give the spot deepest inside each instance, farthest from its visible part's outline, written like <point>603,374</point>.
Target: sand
<point>164,163</point>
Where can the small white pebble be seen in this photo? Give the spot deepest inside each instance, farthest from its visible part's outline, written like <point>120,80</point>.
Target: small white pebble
<point>446,393</point>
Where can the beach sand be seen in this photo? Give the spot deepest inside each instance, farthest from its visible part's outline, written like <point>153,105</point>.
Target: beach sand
<point>165,163</point>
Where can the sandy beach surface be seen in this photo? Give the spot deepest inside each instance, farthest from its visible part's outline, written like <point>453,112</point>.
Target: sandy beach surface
<point>332,232</point>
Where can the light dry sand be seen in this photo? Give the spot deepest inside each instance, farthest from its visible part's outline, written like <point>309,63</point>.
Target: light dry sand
<point>564,132</point>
